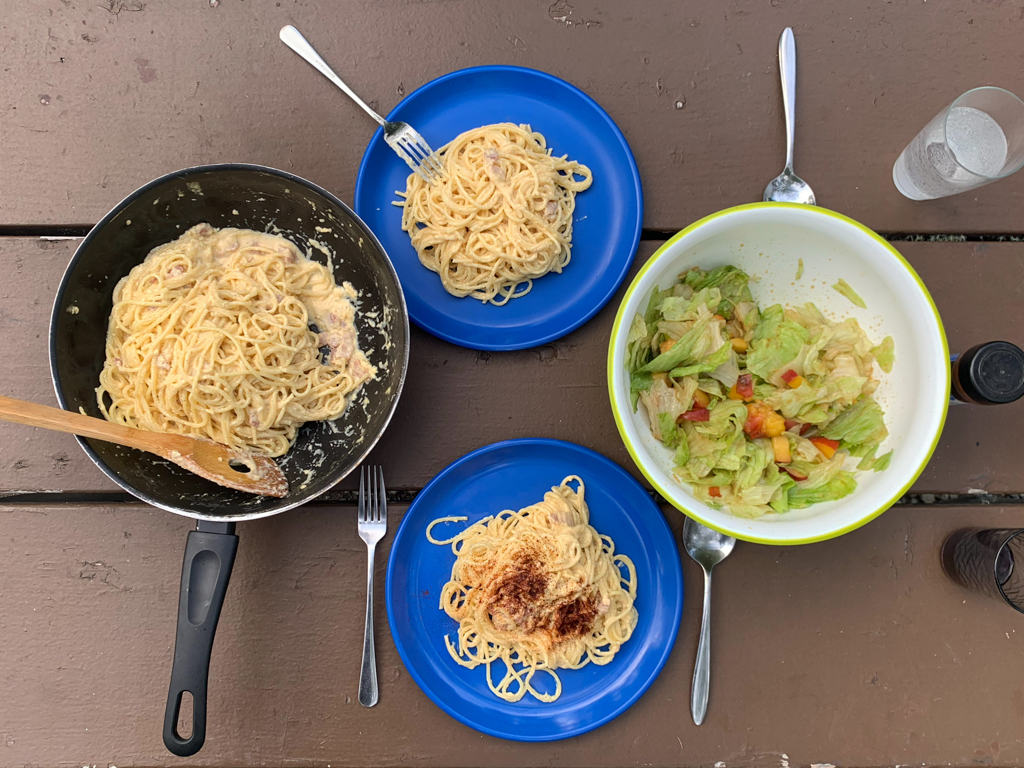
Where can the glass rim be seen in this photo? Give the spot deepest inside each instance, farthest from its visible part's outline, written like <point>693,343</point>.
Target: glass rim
<point>995,568</point>
<point>945,140</point>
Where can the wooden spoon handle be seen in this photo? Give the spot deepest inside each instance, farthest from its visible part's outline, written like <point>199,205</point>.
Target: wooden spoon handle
<point>35,415</point>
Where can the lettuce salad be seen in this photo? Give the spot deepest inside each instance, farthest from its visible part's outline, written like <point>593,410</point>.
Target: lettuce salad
<point>764,408</point>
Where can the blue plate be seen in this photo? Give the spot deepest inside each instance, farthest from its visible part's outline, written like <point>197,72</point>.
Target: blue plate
<point>606,225</point>
<point>512,475</point>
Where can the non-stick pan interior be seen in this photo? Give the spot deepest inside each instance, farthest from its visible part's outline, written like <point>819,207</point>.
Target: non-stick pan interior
<point>247,197</point>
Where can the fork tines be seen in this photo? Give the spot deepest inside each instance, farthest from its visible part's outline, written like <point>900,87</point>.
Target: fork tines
<point>412,148</point>
<point>373,503</point>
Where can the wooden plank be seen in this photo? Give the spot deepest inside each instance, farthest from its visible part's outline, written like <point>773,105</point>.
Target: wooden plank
<point>927,670</point>
<point>100,97</point>
<point>457,399</point>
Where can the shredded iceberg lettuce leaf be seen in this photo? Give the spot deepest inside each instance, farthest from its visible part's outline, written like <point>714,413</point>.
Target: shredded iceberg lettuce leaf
<point>717,377</point>
<point>776,342</point>
<point>844,288</point>
<point>885,354</point>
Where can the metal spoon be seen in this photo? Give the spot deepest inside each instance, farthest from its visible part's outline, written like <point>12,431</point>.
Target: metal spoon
<point>708,548</point>
<point>787,187</point>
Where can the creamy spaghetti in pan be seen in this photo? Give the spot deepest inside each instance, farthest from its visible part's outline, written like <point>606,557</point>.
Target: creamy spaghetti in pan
<point>230,335</point>
<point>537,590</point>
<point>500,217</point>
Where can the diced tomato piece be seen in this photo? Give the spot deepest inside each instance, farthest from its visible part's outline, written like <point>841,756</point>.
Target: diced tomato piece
<point>827,447</point>
<point>745,386</point>
<point>796,474</point>
<point>780,447</point>
<point>806,428</point>
<point>715,491</point>
<point>701,399</point>
<point>697,414</point>
<point>790,423</point>
<point>754,425</point>
<point>762,421</point>
<point>789,375</point>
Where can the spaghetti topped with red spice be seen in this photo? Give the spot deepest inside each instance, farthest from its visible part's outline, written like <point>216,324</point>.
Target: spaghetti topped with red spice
<point>539,589</point>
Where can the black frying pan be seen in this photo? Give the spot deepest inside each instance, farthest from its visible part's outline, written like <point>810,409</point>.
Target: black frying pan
<point>250,197</point>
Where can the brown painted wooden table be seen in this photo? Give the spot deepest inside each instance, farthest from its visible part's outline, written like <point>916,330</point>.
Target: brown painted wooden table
<point>854,652</point>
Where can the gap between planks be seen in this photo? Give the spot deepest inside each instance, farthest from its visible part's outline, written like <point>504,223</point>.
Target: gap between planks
<point>71,231</point>
<point>406,496</point>
<point>895,237</point>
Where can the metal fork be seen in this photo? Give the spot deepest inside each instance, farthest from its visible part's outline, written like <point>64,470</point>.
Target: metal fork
<point>373,524</point>
<point>401,137</point>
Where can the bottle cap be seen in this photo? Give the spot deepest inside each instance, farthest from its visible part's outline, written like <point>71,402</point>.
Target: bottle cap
<point>993,373</point>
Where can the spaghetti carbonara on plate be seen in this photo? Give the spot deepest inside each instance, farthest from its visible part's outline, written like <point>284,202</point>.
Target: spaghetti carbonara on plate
<point>211,337</point>
<point>500,217</point>
<point>537,590</point>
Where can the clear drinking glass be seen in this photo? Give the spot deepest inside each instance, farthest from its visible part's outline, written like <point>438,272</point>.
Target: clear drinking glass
<point>976,140</point>
<point>985,560</point>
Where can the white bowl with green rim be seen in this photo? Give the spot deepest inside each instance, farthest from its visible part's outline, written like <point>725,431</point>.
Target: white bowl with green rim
<point>768,241</point>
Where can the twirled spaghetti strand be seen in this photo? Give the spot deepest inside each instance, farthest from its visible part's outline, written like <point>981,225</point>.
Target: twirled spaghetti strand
<point>500,218</point>
<point>210,337</point>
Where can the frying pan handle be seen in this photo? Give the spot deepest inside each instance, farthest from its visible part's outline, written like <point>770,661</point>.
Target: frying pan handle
<point>209,556</point>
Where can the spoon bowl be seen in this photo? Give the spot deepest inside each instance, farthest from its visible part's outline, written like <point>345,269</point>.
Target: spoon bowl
<point>706,546</point>
<point>787,187</point>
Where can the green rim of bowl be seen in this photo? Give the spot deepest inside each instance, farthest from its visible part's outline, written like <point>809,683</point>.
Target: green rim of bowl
<point>617,326</point>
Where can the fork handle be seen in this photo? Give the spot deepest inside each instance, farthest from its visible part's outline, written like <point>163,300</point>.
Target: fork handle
<point>368,693</point>
<point>291,37</point>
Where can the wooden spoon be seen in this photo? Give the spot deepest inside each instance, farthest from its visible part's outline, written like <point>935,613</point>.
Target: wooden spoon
<point>260,474</point>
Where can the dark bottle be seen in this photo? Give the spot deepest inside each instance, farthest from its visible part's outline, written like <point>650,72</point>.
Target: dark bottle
<point>988,374</point>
